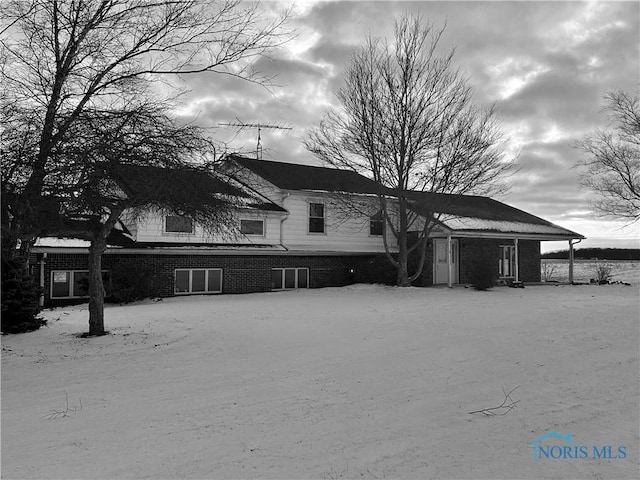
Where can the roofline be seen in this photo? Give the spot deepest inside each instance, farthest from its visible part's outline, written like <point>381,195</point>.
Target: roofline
<point>280,250</point>
<point>513,235</point>
<point>570,235</point>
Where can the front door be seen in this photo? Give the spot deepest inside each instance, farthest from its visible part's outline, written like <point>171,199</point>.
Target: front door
<point>440,261</point>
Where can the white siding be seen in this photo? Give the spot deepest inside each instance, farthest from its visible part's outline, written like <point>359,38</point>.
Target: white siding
<point>151,229</point>
<point>343,232</point>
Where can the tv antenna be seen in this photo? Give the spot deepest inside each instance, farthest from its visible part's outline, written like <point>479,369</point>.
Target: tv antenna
<point>260,127</point>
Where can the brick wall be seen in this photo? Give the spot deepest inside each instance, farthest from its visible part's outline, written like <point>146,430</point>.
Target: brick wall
<point>529,258</point>
<point>472,249</point>
<point>379,270</point>
<point>240,274</point>
<point>246,274</point>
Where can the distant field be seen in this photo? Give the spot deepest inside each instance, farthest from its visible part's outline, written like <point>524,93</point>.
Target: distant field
<point>584,270</point>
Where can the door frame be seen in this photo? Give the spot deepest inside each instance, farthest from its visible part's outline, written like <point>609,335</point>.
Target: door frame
<point>454,257</point>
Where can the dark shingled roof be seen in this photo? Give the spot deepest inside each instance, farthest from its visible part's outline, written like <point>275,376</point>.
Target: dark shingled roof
<point>144,180</point>
<point>471,206</point>
<point>192,182</point>
<point>484,208</point>
<point>291,176</point>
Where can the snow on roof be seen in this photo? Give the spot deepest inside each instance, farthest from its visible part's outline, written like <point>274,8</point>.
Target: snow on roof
<point>53,242</point>
<point>61,242</point>
<point>471,212</point>
<point>504,226</point>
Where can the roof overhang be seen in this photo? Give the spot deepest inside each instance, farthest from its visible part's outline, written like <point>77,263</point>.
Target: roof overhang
<point>506,235</point>
<point>269,250</point>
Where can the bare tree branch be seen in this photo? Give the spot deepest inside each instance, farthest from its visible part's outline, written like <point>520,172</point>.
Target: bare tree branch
<point>505,407</point>
<point>406,119</point>
<point>85,88</point>
<point>611,168</point>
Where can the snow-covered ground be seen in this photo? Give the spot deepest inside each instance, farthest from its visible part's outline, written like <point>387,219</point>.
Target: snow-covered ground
<point>355,382</point>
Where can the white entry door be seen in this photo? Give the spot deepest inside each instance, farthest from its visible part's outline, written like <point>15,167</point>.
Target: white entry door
<point>440,263</point>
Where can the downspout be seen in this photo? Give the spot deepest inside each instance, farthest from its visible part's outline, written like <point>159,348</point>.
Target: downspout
<point>517,262</point>
<point>449,264</point>
<point>571,244</point>
<point>282,232</point>
<point>284,197</point>
<point>42,263</point>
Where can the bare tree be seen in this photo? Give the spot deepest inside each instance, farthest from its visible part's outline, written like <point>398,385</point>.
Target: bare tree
<point>133,162</point>
<point>62,57</point>
<point>611,168</point>
<point>68,67</point>
<point>406,119</point>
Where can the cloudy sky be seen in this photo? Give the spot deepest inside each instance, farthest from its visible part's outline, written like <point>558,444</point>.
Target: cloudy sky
<point>546,66</point>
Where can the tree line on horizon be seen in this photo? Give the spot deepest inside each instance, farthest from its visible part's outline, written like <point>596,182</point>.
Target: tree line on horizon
<point>596,253</point>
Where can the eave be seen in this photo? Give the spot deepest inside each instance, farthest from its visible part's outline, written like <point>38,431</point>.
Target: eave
<point>509,235</point>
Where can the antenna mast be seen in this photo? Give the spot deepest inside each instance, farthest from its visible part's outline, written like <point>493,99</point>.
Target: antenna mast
<point>259,126</point>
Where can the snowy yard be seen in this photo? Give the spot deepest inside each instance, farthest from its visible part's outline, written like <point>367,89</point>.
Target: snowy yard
<point>358,382</point>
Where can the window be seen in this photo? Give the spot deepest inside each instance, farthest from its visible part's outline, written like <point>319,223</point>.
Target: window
<point>376,224</point>
<point>285,278</point>
<point>198,281</point>
<point>252,227</point>
<point>73,283</point>
<point>507,264</point>
<point>178,224</point>
<point>316,218</point>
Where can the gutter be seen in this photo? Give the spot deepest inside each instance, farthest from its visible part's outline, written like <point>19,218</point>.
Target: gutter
<point>511,235</point>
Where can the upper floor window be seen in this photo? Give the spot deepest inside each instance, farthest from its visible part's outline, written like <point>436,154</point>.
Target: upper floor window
<point>178,224</point>
<point>316,218</point>
<point>252,227</point>
<point>376,224</point>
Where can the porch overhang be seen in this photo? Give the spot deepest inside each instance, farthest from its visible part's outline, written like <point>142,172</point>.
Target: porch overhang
<point>443,232</point>
<point>507,235</point>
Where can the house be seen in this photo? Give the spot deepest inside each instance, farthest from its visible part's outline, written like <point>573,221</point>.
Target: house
<point>299,226</point>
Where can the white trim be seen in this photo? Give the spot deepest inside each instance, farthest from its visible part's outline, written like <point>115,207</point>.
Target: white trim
<point>384,224</point>
<point>182,234</point>
<point>206,280</point>
<point>295,269</point>
<point>280,250</point>
<point>449,262</point>
<point>324,218</point>
<point>452,260</point>
<point>504,235</point>
<point>513,269</point>
<point>71,283</point>
<point>517,260</point>
<point>264,227</point>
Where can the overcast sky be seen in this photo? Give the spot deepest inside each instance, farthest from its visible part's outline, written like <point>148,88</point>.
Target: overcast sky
<point>546,65</point>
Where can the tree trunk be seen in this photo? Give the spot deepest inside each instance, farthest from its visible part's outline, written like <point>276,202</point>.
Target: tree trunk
<point>96,287</point>
<point>403,274</point>
<point>403,251</point>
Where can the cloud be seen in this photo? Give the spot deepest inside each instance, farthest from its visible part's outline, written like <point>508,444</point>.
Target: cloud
<point>546,66</point>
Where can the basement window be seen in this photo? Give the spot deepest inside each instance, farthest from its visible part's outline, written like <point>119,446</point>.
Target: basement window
<point>73,283</point>
<point>287,278</point>
<point>195,280</point>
